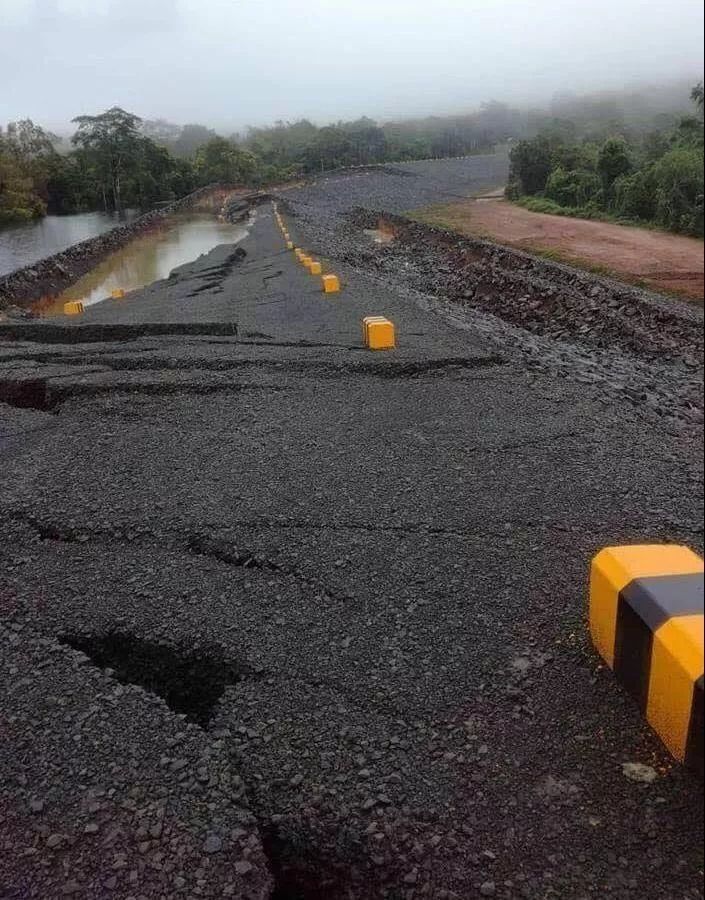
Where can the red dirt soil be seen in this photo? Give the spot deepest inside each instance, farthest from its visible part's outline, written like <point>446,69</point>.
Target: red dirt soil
<point>663,262</point>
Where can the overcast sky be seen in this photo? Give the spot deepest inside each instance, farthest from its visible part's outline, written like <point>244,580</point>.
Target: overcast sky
<point>227,63</point>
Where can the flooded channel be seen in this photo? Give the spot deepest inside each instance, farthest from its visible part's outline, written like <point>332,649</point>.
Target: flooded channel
<point>147,258</point>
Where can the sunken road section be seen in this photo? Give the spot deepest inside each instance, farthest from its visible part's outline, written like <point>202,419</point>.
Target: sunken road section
<point>284,617</point>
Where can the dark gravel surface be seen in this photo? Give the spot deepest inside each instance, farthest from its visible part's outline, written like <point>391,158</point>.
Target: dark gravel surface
<point>331,603</point>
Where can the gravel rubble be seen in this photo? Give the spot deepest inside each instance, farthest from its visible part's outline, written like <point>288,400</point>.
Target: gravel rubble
<point>331,602</point>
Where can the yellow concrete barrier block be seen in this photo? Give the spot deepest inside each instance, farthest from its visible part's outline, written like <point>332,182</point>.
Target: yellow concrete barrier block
<point>331,284</point>
<point>380,334</point>
<point>306,261</point>
<point>299,253</point>
<point>315,268</point>
<point>366,321</point>
<point>117,294</point>
<point>646,621</point>
<point>289,245</point>
<point>73,308</point>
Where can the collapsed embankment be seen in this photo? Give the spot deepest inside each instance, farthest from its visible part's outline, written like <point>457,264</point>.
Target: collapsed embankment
<point>536,294</point>
<point>54,274</point>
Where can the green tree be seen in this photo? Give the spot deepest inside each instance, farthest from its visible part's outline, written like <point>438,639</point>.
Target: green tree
<point>161,131</point>
<point>151,175</point>
<point>18,202</point>
<point>530,165</point>
<point>283,146</point>
<point>113,141</point>
<point>679,190</point>
<point>191,139</point>
<point>73,184</point>
<point>635,195</point>
<point>27,154</point>
<point>367,141</point>
<point>331,148</point>
<point>575,188</point>
<point>654,146</point>
<point>221,161</point>
<point>29,141</point>
<point>612,161</point>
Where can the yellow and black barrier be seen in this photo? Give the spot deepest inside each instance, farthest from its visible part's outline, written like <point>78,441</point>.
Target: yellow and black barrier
<point>73,308</point>
<point>646,621</point>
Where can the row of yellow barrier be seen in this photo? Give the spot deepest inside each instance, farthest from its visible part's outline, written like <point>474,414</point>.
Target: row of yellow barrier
<point>378,333</point>
<point>330,283</point>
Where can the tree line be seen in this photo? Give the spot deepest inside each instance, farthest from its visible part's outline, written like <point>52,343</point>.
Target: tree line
<point>116,160</point>
<point>607,154</point>
<point>111,165</point>
<point>655,177</point>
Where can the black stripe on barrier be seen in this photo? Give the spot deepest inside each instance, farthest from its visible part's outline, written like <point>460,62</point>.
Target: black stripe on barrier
<point>643,606</point>
<point>694,749</point>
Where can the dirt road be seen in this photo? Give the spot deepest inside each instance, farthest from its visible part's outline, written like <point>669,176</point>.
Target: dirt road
<point>663,262</point>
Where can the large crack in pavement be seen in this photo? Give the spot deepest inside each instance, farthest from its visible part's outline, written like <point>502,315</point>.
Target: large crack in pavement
<point>208,544</point>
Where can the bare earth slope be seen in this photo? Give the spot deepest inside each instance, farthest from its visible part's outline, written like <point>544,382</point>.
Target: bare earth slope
<point>282,618</point>
<point>666,262</point>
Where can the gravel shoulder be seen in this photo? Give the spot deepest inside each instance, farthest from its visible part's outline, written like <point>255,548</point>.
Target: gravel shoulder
<point>370,567</point>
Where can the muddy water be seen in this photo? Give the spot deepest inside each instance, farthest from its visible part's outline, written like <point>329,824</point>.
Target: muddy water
<point>148,258</point>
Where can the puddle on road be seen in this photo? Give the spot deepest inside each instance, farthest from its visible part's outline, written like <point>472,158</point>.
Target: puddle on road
<point>146,259</point>
<point>382,234</point>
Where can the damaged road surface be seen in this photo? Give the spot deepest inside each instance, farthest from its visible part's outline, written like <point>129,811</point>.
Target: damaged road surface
<point>283,618</point>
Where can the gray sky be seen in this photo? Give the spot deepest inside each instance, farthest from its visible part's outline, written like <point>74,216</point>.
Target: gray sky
<point>227,63</point>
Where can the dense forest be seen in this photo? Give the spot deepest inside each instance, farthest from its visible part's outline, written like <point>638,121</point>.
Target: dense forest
<point>654,177</point>
<point>116,160</point>
<point>609,154</point>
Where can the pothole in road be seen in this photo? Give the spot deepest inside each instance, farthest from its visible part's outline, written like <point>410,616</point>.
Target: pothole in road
<point>190,682</point>
<point>298,873</point>
<point>27,393</point>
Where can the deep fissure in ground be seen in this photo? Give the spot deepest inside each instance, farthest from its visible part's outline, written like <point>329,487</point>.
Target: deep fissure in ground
<point>189,681</point>
<point>300,869</point>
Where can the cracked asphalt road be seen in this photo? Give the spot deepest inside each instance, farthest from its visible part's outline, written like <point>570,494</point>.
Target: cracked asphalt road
<point>393,550</point>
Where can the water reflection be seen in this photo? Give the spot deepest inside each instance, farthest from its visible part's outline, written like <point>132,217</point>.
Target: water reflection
<point>148,258</point>
<point>22,245</point>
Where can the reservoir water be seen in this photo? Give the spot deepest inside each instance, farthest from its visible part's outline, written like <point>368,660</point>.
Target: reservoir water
<point>23,245</point>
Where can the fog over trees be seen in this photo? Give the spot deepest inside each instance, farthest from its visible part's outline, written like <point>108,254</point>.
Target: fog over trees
<point>632,155</point>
